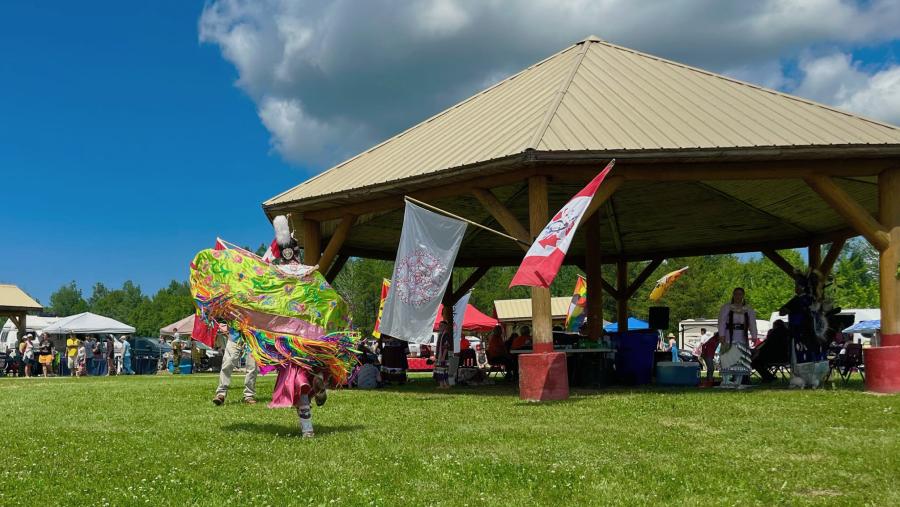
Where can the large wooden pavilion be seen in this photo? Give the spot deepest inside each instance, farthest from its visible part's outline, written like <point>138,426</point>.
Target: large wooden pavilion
<point>705,164</point>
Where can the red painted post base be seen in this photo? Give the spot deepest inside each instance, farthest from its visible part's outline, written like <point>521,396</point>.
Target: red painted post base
<point>890,340</point>
<point>543,377</point>
<point>882,369</point>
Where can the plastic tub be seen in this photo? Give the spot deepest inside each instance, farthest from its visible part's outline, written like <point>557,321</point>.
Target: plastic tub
<point>669,373</point>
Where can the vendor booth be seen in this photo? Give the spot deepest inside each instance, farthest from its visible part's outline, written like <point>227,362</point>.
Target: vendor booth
<point>87,323</point>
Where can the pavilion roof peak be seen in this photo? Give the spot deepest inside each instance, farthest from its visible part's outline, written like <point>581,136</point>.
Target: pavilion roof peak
<point>596,97</point>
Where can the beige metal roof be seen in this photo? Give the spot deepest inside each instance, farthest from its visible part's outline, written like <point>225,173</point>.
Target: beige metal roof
<point>598,97</point>
<point>520,309</point>
<point>13,298</point>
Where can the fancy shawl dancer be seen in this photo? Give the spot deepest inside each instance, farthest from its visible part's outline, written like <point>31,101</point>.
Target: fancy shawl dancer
<point>293,321</point>
<point>737,324</point>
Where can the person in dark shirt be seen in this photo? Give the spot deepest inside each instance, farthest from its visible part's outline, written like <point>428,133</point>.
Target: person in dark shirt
<point>776,349</point>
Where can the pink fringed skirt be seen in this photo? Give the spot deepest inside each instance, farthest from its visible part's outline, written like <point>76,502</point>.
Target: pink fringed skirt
<point>292,381</point>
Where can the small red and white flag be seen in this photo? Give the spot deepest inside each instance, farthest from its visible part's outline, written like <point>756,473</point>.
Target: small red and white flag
<point>220,245</point>
<point>543,259</point>
<point>272,253</point>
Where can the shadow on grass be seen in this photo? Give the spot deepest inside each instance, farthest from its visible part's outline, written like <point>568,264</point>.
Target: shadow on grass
<point>290,430</point>
<point>502,388</point>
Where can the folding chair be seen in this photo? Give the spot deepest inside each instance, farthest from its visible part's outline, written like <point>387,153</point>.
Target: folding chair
<point>851,359</point>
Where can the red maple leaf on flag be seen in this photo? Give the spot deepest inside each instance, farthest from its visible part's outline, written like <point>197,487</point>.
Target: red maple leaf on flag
<point>550,240</point>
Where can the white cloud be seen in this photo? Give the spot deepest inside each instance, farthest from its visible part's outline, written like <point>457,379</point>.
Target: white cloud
<point>332,77</point>
<point>835,79</point>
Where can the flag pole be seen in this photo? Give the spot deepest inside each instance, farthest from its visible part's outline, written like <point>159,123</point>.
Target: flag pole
<point>451,215</point>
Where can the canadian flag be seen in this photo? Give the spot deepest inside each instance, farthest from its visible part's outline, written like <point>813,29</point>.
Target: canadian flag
<point>272,252</point>
<point>543,259</point>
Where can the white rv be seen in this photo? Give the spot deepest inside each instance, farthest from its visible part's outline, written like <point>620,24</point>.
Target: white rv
<point>9,335</point>
<point>689,330</point>
<point>850,316</point>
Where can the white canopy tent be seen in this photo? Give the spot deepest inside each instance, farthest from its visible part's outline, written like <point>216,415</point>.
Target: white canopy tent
<point>88,323</point>
<point>9,335</point>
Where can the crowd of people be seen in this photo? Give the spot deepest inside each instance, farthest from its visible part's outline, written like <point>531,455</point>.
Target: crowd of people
<point>80,355</point>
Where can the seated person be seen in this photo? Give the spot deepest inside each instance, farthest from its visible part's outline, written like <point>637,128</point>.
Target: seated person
<point>368,376</point>
<point>775,350</point>
<point>393,359</point>
<point>497,352</point>
<point>522,340</point>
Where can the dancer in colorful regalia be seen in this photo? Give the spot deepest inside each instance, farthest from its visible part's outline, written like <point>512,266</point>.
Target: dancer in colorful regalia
<point>294,322</point>
<point>737,325</point>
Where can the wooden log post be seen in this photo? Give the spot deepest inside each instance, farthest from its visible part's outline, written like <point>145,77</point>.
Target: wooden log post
<point>543,375</point>
<point>814,256</point>
<point>883,363</point>
<point>312,242</point>
<point>541,316</point>
<point>622,299</point>
<point>889,206</point>
<point>594,275</point>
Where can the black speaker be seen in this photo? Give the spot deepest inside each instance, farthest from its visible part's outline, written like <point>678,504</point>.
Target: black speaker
<point>659,317</point>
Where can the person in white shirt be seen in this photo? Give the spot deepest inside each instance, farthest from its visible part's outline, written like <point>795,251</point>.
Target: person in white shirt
<point>737,324</point>
<point>118,351</point>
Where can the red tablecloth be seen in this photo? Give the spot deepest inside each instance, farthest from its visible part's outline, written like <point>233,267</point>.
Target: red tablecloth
<point>419,364</point>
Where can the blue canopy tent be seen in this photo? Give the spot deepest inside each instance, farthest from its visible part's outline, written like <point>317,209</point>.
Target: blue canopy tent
<point>633,325</point>
<point>864,326</point>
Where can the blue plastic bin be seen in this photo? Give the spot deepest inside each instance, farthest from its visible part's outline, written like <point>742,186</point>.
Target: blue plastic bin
<point>634,356</point>
<point>682,373</point>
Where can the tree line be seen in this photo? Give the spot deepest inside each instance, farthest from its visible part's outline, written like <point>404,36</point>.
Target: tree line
<point>698,294</point>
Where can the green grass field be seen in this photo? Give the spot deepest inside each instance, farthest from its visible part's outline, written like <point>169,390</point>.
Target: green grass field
<point>160,441</point>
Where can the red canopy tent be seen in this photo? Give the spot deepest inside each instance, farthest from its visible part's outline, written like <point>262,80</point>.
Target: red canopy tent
<point>473,320</point>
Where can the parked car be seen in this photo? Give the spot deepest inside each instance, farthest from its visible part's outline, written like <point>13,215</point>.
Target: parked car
<point>423,349</point>
<point>428,348</point>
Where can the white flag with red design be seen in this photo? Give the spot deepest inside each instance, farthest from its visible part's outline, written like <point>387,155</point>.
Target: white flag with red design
<point>548,251</point>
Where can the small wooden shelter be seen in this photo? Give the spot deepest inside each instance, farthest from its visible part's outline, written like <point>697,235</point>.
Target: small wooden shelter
<point>15,304</point>
<point>706,164</point>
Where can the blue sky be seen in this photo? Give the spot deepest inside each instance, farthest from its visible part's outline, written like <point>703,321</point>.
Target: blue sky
<point>126,147</point>
<point>134,133</point>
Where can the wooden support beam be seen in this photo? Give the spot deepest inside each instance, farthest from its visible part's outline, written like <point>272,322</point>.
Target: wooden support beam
<point>541,314</point>
<point>19,321</point>
<point>447,301</point>
<point>336,242</point>
<point>336,267</point>
<point>606,190</point>
<point>834,251</point>
<point>312,242</point>
<point>889,259</point>
<point>502,215</point>
<point>622,300</point>
<point>814,255</point>
<point>470,282</point>
<point>641,278</point>
<point>612,291</point>
<point>780,261</point>
<point>511,171</point>
<point>614,226</point>
<point>857,216</point>
<point>594,276</point>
